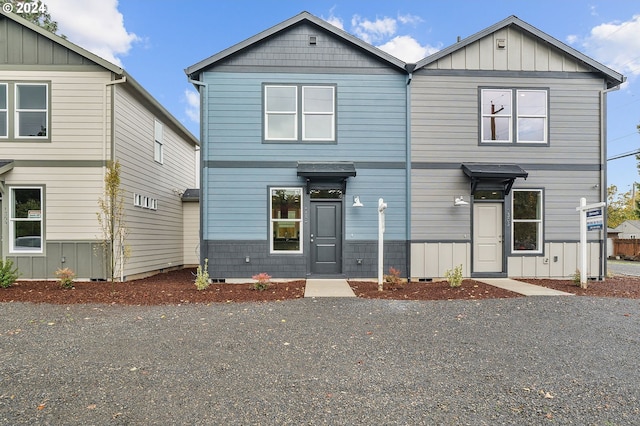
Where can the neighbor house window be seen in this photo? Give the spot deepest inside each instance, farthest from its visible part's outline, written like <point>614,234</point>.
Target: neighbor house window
<point>25,217</point>
<point>288,108</point>
<point>285,207</point>
<point>527,221</point>
<point>31,110</point>
<point>158,145</point>
<point>4,111</point>
<point>513,115</point>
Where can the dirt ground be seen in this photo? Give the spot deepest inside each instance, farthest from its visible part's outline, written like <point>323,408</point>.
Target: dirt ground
<point>178,287</point>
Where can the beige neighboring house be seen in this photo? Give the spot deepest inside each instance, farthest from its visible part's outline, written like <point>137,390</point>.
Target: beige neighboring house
<point>65,114</point>
<point>627,230</point>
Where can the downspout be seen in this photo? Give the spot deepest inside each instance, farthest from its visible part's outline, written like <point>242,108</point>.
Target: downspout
<point>111,153</point>
<point>409,69</point>
<point>204,181</point>
<point>603,175</point>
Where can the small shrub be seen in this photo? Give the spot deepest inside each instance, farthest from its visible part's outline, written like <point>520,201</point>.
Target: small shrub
<point>393,277</point>
<point>202,276</point>
<point>576,277</point>
<point>262,281</point>
<point>8,274</point>
<point>65,277</point>
<point>454,277</point>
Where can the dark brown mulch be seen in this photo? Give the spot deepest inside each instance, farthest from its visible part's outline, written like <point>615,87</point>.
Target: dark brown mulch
<point>178,287</point>
<point>436,290</point>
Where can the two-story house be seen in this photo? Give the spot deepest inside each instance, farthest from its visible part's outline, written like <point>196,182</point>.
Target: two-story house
<point>481,151</point>
<point>65,114</point>
<point>304,129</point>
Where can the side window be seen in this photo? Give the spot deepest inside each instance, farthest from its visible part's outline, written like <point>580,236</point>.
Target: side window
<point>527,221</point>
<point>285,217</point>
<point>31,110</point>
<point>513,116</point>
<point>25,217</point>
<point>158,144</point>
<point>4,111</point>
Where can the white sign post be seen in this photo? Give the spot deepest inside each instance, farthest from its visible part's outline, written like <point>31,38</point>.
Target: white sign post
<point>381,208</point>
<point>590,220</point>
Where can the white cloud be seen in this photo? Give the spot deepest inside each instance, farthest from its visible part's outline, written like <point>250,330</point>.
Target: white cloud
<point>192,100</point>
<point>373,31</point>
<point>95,25</point>
<point>407,49</point>
<point>572,39</point>
<point>616,44</point>
<point>410,19</point>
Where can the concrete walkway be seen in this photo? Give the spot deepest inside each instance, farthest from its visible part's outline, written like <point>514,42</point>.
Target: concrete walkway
<point>340,287</point>
<point>328,288</point>
<point>522,287</point>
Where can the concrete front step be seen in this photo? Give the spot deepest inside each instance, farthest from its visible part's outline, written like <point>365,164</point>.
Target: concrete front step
<point>522,287</point>
<point>317,287</point>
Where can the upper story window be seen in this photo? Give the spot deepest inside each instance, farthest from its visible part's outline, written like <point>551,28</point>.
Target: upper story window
<point>4,111</point>
<point>299,113</point>
<point>31,103</point>
<point>158,144</point>
<point>24,111</point>
<point>514,115</point>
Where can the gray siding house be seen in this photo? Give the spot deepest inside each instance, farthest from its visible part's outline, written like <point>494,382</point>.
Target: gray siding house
<point>482,151</point>
<point>64,115</point>
<point>512,121</point>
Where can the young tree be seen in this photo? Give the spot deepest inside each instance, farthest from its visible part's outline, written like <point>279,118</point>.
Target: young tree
<point>33,11</point>
<point>621,207</point>
<point>111,218</point>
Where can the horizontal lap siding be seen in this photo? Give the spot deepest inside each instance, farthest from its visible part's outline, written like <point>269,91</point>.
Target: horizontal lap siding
<point>77,116</point>
<point>445,121</point>
<point>156,237</point>
<point>370,116</point>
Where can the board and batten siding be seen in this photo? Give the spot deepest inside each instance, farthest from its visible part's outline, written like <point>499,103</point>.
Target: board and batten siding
<point>155,236</point>
<point>522,52</point>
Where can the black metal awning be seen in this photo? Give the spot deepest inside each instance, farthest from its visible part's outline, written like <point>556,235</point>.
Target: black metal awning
<point>337,171</point>
<point>492,175</point>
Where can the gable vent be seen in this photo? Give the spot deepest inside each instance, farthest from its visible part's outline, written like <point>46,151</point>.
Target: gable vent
<point>313,40</point>
<point>501,44</point>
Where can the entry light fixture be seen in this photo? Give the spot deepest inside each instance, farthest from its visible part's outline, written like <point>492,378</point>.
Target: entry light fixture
<point>356,201</point>
<point>459,201</point>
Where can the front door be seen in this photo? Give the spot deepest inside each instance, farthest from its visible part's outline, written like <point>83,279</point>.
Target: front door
<point>487,237</point>
<point>326,237</point>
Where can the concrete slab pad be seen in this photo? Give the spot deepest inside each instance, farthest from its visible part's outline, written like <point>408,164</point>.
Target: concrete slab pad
<point>328,288</point>
<point>522,287</point>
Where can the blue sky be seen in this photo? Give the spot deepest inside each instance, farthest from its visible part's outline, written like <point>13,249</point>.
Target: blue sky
<point>155,40</point>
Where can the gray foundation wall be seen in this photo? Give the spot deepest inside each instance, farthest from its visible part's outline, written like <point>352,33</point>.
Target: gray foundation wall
<point>228,259</point>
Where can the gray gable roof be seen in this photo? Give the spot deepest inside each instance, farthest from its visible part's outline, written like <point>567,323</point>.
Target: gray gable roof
<point>612,77</point>
<point>302,17</point>
<point>118,71</point>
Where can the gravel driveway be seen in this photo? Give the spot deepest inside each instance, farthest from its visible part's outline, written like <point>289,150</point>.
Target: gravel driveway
<point>536,360</point>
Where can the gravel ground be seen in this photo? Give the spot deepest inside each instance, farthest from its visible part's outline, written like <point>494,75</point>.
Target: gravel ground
<point>624,267</point>
<point>536,360</point>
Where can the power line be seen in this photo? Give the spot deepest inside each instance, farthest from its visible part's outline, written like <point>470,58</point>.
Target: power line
<point>626,154</point>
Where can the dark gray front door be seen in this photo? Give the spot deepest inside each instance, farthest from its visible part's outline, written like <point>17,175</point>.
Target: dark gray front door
<point>326,237</point>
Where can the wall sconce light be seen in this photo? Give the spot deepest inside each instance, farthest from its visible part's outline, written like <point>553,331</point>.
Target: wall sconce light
<point>459,201</point>
<point>356,201</point>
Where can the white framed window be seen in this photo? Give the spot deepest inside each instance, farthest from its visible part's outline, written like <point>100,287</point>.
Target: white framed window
<point>4,111</point>
<point>137,200</point>
<point>288,108</point>
<point>285,220</point>
<point>318,117</point>
<point>158,144</point>
<point>281,113</point>
<point>499,123</point>
<point>25,220</point>
<point>31,110</point>
<point>526,232</point>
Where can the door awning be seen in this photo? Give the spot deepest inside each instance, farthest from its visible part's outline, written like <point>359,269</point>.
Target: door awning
<point>337,171</point>
<point>490,174</point>
<point>5,166</point>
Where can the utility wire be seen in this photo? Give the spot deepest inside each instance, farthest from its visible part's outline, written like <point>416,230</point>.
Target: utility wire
<point>626,154</point>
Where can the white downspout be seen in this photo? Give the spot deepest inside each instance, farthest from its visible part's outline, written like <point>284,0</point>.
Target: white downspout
<point>204,182</point>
